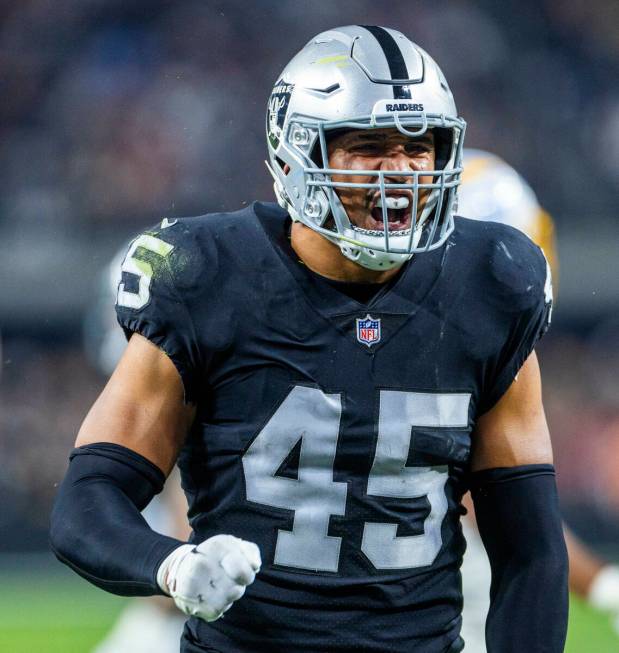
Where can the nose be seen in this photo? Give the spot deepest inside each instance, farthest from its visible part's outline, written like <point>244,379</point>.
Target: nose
<point>397,161</point>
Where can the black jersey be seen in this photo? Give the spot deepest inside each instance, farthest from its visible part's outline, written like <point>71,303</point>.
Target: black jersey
<point>335,434</point>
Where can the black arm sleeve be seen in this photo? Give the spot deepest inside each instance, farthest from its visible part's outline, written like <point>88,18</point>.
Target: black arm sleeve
<point>96,525</point>
<point>518,517</point>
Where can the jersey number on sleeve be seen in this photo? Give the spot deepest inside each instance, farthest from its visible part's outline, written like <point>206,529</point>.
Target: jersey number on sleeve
<point>310,419</point>
<point>142,269</point>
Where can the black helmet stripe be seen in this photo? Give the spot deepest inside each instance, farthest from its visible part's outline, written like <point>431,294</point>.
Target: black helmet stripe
<point>395,59</point>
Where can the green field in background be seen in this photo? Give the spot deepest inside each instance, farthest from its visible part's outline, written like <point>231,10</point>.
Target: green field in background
<point>45,609</point>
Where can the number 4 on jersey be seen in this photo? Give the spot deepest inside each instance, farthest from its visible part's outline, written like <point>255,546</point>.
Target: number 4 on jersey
<point>311,417</point>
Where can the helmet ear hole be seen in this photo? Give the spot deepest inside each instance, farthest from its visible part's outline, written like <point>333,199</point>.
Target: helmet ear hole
<point>315,155</point>
<point>284,167</point>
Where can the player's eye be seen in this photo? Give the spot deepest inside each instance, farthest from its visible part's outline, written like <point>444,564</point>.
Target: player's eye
<point>417,147</point>
<point>367,148</point>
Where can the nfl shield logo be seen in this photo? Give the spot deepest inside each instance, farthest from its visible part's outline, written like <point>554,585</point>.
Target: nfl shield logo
<point>368,330</point>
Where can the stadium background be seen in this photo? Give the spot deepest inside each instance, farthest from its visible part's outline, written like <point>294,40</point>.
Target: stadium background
<point>115,113</point>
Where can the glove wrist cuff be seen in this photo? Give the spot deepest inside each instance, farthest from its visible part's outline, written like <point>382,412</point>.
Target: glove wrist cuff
<point>166,574</point>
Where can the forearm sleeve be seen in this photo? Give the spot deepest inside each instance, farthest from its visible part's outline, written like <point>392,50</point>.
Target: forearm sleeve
<point>518,517</point>
<point>96,525</point>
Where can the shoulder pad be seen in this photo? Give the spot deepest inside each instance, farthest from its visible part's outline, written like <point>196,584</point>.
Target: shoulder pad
<point>510,266</point>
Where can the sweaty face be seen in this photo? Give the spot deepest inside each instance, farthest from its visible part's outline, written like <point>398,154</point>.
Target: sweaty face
<point>386,150</point>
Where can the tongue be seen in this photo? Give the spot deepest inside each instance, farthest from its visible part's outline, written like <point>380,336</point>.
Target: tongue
<point>393,215</point>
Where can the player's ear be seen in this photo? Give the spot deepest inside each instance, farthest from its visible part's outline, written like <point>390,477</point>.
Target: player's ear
<point>286,168</point>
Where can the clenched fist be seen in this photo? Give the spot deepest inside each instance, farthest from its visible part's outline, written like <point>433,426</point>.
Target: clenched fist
<point>205,580</point>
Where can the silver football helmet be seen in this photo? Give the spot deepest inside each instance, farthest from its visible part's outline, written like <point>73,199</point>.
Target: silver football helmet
<point>364,78</point>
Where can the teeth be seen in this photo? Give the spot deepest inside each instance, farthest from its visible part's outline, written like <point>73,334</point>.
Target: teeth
<point>394,202</point>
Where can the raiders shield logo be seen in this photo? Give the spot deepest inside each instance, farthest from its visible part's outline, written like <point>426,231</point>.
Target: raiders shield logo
<point>368,330</point>
<point>276,111</point>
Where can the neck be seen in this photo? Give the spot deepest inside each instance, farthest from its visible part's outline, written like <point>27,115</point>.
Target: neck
<point>325,258</point>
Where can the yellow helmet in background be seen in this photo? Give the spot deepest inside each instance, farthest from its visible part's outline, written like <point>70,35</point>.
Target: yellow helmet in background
<point>492,190</point>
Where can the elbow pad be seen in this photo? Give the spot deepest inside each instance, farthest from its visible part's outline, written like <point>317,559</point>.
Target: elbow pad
<point>96,525</point>
<point>517,512</point>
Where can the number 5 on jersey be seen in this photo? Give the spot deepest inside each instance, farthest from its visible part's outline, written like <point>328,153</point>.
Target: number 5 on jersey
<point>310,418</point>
<point>142,269</point>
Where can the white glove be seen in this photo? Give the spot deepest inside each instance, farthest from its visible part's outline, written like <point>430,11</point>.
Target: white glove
<point>205,580</point>
<point>604,592</point>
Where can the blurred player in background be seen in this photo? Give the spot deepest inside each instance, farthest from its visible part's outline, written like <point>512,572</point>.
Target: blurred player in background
<point>492,190</point>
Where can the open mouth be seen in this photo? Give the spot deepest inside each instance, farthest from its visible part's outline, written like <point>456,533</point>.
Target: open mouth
<point>398,213</point>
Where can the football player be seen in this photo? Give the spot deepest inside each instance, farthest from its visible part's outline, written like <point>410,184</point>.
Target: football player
<point>492,190</point>
<point>331,374</point>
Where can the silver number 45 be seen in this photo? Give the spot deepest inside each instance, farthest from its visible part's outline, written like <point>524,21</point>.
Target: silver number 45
<point>313,417</point>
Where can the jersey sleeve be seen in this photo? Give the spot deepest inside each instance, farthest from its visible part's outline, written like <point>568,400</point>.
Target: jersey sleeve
<point>149,303</point>
<point>526,308</point>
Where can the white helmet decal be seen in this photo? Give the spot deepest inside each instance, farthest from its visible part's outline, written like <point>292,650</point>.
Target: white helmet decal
<point>276,111</point>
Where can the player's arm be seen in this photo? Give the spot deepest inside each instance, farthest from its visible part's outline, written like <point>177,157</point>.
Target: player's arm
<point>514,492</point>
<point>141,407</point>
<point>126,446</point>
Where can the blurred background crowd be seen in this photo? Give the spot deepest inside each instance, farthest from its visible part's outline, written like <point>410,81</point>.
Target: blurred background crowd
<point>115,113</point>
